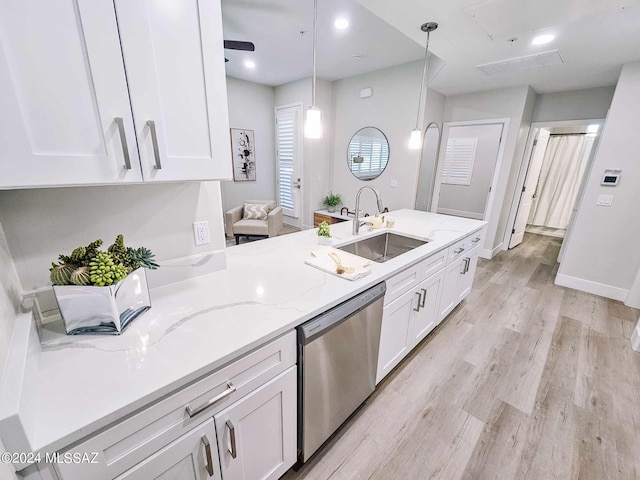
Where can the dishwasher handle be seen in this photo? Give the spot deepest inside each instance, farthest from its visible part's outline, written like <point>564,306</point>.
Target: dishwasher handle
<point>315,327</point>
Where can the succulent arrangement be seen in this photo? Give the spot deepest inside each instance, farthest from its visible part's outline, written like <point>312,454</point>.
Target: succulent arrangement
<point>323,230</point>
<point>91,266</point>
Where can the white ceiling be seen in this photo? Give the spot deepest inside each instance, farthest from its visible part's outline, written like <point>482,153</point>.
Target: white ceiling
<point>283,55</point>
<point>594,37</point>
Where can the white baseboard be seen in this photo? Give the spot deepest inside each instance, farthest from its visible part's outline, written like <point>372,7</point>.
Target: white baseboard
<point>460,213</point>
<point>490,253</point>
<point>588,286</point>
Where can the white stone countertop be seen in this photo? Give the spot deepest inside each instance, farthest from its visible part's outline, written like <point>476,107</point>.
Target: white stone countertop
<point>75,385</point>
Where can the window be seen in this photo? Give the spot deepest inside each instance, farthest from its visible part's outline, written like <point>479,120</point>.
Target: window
<point>458,161</point>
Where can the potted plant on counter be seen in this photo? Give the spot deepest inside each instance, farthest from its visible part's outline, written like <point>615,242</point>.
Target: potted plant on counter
<point>324,234</point>
<point>102,291</point>
<point>331,201</point>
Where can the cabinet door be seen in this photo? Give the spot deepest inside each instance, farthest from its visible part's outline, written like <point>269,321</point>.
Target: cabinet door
<point>257,434</point>
<point>426,318</point>
<point>465,280</point>
<point>450,296</point>
<point>395,333</point>
<point>193,456</point>
<point>174,58</point>
<point>63,87</point>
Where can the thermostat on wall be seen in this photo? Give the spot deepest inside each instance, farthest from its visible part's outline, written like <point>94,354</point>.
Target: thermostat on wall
<point>611,177</point>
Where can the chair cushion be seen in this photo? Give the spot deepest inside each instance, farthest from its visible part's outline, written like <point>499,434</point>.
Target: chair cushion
<point>250,227</point>
<point>256,211</point>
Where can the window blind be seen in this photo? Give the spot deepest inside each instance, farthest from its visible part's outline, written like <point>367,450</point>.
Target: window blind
<point>285,136</point>
<point>458,161</point>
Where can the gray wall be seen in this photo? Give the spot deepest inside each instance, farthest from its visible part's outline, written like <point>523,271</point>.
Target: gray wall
<point>573,105</point>
<point>392,109</point>
<point>40,224</point>
<point>602,254</point>
<point>251,107</point>
<point>470,200</point>
<point>516,104</point>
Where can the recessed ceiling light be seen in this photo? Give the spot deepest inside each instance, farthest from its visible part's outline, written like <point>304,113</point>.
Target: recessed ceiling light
<point>341,23</point>
<point>250,64</point>
<point>542,39</point>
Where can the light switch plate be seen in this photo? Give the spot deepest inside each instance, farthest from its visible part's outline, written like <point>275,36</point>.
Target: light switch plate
<point>605,200</point>
<point>394,183</point>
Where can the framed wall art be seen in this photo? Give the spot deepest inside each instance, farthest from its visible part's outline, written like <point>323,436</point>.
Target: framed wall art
<point>243,155</point>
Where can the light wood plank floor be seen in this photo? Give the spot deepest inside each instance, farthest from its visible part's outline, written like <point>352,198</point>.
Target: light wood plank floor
<point>524,380</point>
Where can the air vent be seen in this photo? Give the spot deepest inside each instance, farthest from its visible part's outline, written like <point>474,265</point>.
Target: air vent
<point>542,59</point>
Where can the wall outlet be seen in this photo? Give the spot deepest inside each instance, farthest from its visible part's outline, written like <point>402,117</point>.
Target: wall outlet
<point>201,233</point>
<point>394,183</point>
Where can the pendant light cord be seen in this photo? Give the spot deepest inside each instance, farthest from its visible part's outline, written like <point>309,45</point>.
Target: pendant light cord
<point>315,41</point>
<point>424,76</point>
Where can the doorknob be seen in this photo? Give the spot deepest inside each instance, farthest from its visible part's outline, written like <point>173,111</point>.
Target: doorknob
<point>295,183</point>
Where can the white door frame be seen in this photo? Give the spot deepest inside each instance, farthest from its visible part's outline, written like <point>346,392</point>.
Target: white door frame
<point>524,166</point>
<point>496,171</point>
<point>287,220</point>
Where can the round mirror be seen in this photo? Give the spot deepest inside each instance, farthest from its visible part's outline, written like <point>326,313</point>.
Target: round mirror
<point>368,153</point>
<point>428,167</point>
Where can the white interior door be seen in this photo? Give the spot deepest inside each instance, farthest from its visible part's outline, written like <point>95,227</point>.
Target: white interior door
<point>470,153</point>
<point>289,162</point>
<point>175,68</point>
<point>529,189</point>
<point>63,86</point>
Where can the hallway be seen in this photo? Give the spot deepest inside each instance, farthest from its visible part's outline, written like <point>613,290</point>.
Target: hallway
<point>524,380</point>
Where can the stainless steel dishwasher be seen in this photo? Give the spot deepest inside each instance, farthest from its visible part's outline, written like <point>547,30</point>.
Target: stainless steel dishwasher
<point>337,361</point>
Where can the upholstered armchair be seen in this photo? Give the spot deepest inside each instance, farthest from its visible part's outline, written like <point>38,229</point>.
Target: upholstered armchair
<point>255,218</point>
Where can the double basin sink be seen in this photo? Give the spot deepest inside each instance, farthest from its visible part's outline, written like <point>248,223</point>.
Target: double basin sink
<point>381,248</point>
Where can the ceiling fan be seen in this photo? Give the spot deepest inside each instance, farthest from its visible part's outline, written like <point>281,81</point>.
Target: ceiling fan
<point>238,45</point>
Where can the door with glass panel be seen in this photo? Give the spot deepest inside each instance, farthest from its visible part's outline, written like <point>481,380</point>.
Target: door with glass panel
<point>289,162</point>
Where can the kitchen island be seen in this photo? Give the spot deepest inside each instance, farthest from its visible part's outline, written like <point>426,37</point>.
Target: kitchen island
<point>72,387</point>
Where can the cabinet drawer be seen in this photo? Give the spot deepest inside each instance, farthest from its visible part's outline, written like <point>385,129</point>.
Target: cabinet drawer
<point>403,281</point>
<point>457,250</point>
<point>434,263</point>
<point>476,239</point>
<point>132,440</point>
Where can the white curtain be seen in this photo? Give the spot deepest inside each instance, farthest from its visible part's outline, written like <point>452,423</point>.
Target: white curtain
<point>563,167</point>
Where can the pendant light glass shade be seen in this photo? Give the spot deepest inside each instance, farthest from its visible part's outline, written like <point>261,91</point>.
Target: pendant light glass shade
<point>313,123</point>
<point>415,141</point>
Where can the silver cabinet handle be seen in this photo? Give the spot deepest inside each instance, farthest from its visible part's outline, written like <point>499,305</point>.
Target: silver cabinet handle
<point>207,450</point>
<point>123,141</point>
<point>475,240</point>
<point>232,434</point>
<point>467,261</point>
<point>192,412</point>
<point>154,141</point>
<point>417,308</point>
<point>424,297</point>
<point>458,250</point>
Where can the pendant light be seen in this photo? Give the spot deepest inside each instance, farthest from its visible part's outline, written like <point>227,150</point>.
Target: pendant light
<point>415,141</point>
<point>313,122</point>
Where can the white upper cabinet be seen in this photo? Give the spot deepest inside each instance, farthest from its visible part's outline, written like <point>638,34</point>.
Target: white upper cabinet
<point>175,68</point>
<point>62,87</point>
<point>66,102</point>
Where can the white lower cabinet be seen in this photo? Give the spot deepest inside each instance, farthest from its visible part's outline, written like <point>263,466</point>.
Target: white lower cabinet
<point>257,435</point>
<point>191,457</point>
<point>421,296</point>
<point>188,435</point>
<point>458,282</point>
<point>406,321</point>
